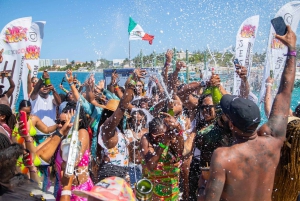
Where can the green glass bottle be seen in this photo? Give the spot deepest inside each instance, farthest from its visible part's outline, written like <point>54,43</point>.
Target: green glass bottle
<point>47,81</point>
<point>207,90</point>
<point>216,95</point>
<point>171,112</point>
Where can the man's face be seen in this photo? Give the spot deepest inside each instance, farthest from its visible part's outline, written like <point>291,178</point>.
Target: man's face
<point>208,109</point>
<point>44,90</point>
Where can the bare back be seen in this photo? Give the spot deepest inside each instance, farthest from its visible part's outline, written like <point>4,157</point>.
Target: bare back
<point>250,169</point>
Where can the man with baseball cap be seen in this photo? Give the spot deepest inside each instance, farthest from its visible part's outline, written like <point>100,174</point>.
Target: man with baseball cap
<point>246,170</point>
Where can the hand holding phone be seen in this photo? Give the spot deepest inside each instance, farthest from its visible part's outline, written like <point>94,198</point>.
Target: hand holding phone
<point>23,119</point>
<point>279,26</point>
<point>236,62</point>
<point>271,74</point>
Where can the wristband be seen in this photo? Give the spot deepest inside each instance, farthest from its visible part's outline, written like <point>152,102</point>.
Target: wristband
<point>269,84</point>
<point>162,145</point>
<point>291,53</point>
<point>130,76</point>
<point>57,133</point>
<point>167,64</point>
<point>30,140</point>
<point>66,192</point>
<point>29,71</point>
<point>71,83</point>
<point>34,170</point>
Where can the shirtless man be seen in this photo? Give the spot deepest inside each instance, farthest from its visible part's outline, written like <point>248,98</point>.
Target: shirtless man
<point>246,170</point>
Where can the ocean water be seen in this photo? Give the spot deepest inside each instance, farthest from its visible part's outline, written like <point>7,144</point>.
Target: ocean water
<point>56,78</point>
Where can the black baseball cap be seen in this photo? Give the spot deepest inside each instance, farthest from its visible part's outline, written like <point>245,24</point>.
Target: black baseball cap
<point>242,112</point>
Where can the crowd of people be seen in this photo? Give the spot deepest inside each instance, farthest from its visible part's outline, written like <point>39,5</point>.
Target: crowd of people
<point>187,141</point>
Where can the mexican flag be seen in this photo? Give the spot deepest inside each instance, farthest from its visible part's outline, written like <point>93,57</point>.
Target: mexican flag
<point>136,32</point>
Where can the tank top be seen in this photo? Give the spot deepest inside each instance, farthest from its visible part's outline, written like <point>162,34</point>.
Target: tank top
<point>119,154</point>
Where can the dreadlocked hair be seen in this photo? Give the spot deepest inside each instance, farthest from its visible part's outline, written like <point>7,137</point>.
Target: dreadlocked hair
<point>200,122</point>
<point>155,123</point>
<point>287,177</point>
<point>83,123</point>
<point>10,118</point>
<point>4,141</point>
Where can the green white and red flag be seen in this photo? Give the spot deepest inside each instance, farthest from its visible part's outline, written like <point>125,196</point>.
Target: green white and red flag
<point>136,32</point>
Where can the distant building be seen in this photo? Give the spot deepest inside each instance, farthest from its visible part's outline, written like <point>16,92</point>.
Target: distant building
<point>60,62</point>
<point>117,62</point>
<point>44,62</point>
<point>79,62</point>
<point>182,55</point>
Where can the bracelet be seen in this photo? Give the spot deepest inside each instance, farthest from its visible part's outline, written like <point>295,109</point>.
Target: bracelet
<point>71,83</point>
<point>291,53</point>
<point>29,71</point>
<point>167,64</point>
<point>33,171</point>
<point>66,192</point>
<point>162,145</point>
<point>30,139</point>
<point>57,133</point>
<point>269,84</point>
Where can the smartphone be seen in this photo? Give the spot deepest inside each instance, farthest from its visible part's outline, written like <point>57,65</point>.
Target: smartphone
<point>279,26</point>
<point>236,62</point>
<point>23,118</point>
<point>271,74</point>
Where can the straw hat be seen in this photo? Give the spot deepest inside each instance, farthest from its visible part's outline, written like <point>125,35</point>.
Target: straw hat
<point>111,105</point>
<point>109,189</point>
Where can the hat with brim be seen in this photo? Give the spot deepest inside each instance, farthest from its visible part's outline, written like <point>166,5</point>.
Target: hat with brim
<point>111,105</point>
<point>111,188</point>
<point>242,112</point>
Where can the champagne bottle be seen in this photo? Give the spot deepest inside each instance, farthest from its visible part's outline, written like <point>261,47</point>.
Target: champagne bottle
<point>207,90</point>
<point>47,81</point>
<point>216,95</point>
<point>171,112</point>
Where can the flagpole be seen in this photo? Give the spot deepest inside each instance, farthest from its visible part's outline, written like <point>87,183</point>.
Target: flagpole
<point>129,55</point>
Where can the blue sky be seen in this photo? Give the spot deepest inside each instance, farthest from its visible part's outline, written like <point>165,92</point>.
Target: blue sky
<point>87,30</point>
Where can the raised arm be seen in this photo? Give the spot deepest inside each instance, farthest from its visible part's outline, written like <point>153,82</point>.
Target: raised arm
<point>245,87</point>
<point>109,137</point>
<point>38,85</point>
<point>11,87</point>
<point>29,86</point>
<point>184,94</point>
<point>41,126</point>
<point>268,96</point>
<point>276,126</point>
<point>165,70</point>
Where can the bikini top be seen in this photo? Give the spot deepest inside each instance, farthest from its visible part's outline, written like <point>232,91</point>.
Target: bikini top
<point>85,159</point>
<point>32,130</point>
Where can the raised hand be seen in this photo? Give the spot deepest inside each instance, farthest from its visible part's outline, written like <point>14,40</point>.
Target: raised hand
<point>270,80</point>
<point>215,80</point>
<point>66,127</point>
<point>171,122</point>
<point>289,39</point>
<point>179,65</point>
<point>169,55</point>
<point>114,78</point>
<point>241,71</point>
<point>46,75</point>
<point>28,66</point>
<point>138,74</point>
<point>69,76</point>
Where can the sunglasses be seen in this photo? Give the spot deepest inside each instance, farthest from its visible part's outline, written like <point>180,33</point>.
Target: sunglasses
<point>58,121</point>
<point>34,81</point>
<point>138,86</point>
<point>207,107</point>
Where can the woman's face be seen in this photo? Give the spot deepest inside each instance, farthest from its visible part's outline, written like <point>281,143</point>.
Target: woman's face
<point>138,120</point>
<point>62,120</point>
<point>139,88</point>
<point>208,109</point>
<point>159,133</point>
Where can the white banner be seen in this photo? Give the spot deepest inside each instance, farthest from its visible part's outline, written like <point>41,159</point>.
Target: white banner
<point>275,59</point>
<point>245,39</point>
<point>35,37</point>
<point>13,39</point>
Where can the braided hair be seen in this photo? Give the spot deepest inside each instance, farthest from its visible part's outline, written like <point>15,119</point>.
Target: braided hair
<point>83,123</point>
<point>155,123</point>
<point>10,118</point>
